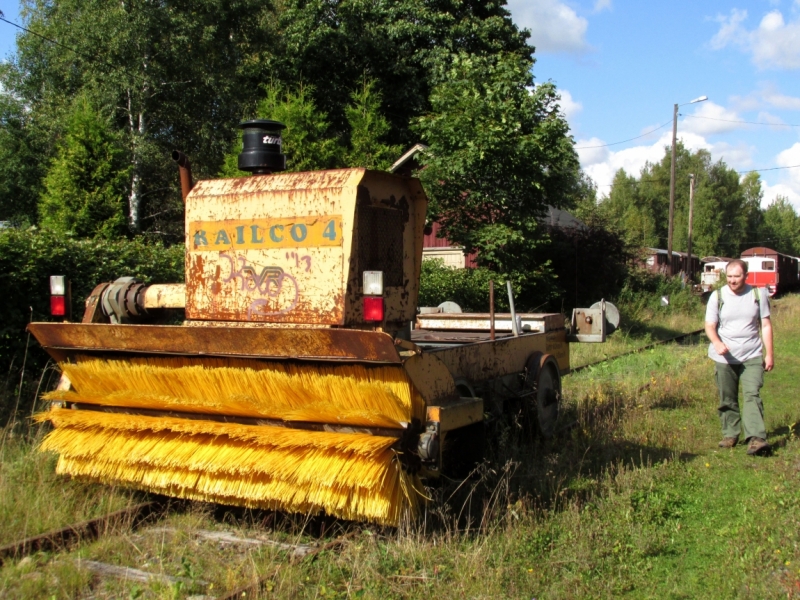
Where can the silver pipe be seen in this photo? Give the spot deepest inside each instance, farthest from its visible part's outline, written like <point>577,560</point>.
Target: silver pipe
<point>514,327</point>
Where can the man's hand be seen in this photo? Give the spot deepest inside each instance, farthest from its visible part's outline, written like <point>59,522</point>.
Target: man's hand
<point>720,347</point>
<point>769,363</point>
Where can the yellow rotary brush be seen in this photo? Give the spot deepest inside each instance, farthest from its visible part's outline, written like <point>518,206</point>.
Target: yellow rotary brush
<point>165,434</point>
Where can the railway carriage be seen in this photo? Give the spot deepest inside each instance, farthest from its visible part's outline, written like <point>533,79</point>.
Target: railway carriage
<point>771,269</point>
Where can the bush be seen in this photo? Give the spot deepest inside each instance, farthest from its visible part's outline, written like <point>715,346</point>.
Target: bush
<point>469,288</point>
<point>642,291</point>
<point>590,263</point>
<point>28,258</point>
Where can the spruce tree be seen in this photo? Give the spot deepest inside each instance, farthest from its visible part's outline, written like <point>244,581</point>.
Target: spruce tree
<point>85,187</point>
<point>368,127</point>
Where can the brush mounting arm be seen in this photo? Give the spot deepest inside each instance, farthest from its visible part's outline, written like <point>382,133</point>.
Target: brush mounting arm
<point>128,300</point>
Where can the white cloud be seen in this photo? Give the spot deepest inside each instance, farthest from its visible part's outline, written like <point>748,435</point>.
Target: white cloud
<point>767,95</point>
<point>737,156</point>
<point>601,5</point>
<point>554,26</point>
<point>774,44</point>
<point>789,180</point>
<point>766,117</point>
<point>779,189</point>
<point>781,101</point>
<point>602,163</point>
<point>569,106</point>
<point>710,118</point>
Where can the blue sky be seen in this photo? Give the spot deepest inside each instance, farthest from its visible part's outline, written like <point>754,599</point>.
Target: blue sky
<point>622,64</point>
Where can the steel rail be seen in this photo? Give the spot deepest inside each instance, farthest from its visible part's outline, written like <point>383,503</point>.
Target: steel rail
<point>86,530</point>
<point>636,350</point>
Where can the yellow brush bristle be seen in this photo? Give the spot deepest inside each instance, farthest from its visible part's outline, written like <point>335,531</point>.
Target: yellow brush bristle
<point>342,394</point>
<point>351,476</point>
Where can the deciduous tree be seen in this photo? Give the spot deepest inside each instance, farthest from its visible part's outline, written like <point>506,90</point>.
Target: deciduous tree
<point>499,153</point>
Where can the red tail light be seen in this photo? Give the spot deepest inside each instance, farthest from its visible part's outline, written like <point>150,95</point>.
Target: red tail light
<point>58,306</point>
<point>373,308</point>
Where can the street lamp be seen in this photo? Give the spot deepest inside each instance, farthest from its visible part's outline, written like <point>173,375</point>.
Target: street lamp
<point>672,177</point>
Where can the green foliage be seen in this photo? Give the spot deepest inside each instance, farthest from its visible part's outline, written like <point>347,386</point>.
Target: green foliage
<point>368,126</point>
<point>641,293</point>
<point>310,143</point>
<point>399,44</point>
<point>307,142</point>
<point>172,76</point>
<point>780,227</point>
<point>590,263</point>
<point>723,208</point>
<point>180,76</point>
<point>85,187</point>
<point>20,163</point>
<point>28,258</point>
<point>499,153</point>
<point>469,288</point>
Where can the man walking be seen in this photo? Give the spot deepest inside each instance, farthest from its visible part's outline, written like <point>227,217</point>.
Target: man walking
<point>740,355</point>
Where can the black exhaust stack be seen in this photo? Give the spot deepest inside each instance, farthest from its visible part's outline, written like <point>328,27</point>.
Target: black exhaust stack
<point>261,147</point>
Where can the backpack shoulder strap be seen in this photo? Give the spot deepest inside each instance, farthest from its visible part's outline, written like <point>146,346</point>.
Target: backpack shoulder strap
<point>757,295</point>
<point>719,300</point>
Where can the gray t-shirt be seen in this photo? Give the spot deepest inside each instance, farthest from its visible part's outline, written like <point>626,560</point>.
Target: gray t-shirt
<point>738,324</point>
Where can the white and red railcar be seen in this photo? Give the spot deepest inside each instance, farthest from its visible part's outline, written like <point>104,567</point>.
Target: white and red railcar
<point>768,268</point>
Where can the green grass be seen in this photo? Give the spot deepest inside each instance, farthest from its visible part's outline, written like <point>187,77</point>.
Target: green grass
<point>636,501</point>
<point>640,327</point>
<point>34,500</point>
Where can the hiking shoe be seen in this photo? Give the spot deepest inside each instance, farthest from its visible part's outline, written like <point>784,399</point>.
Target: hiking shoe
<point>728,442</point>
<point>757,446</point>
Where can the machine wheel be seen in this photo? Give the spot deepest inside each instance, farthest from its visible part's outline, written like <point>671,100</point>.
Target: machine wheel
<point>543,382</point>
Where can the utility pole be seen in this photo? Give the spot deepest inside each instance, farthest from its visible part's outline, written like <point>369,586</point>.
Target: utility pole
<point>691,221</point>
<point>672,177</point>
<point>672,189</point>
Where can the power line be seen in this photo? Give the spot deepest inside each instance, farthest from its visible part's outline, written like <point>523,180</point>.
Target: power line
<point>689,117</point>
<point>625,141</point>
<point>82,55</point>
<point>634,182</point>
<point>46,39</point>
<point>770,169</point>
<point>746,122</point>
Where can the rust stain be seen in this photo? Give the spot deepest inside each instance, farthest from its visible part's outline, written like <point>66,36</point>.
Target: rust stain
<point>250,342</point>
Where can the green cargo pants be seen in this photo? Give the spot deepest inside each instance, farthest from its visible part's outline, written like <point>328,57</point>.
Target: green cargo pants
<point>751,376</point>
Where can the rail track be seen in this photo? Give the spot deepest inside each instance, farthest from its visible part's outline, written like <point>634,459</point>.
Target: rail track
<point>676,338</point>
<point>66,537</point>
<point>153,511</point>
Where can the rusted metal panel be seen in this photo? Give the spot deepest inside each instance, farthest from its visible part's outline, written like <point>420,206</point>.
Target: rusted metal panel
<point>165,295</point>
<point>283,248</point>
<point>431,378</point>
<point>65,339</point>
<point>588,325</point>
<point>425,337</point>
<point>531,322</point>
<point>270,247</point>
<point>94,312</point>
<point>386,193</point>
<point>487,360</point>
<point>465,411</point>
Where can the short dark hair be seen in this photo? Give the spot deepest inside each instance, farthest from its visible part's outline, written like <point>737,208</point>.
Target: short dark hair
<point>737,262</point>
